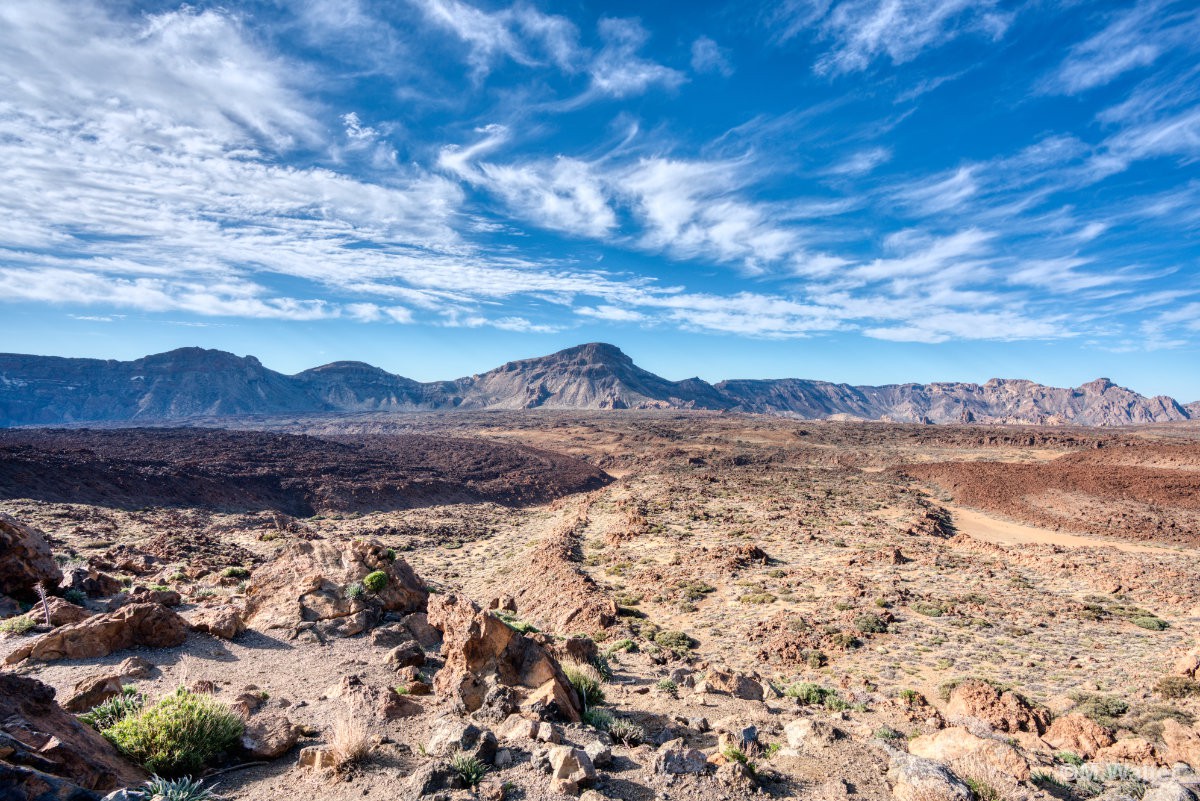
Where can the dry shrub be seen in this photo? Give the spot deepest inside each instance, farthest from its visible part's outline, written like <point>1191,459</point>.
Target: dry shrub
<point>351,741</point>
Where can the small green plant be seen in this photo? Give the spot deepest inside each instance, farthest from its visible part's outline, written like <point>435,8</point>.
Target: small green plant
<point>888,733</point>
<point>814,659</point>
<point>513,622</point>
<point>675,641</point>
<point>1047,779</point>
<point>626,644</point>
<point>587,681</point>
<point>400,689</point>
<point>757,598</point>
<point>235,573</point>
<point>1104,709</point>
<point>928,609</point>
<point>626,732</point>
<point>77,597</point>
<point>599,718</point>
<point>375,581</point>
<point>982,791</point>
<point>1177,687</point>
<point>17,625</point>
<point>389,554</point>
<point>734,754</point>
<point>117,708</point>
<point>910,697</point>
<point>870,624</point>
<point>469,769</point>
<point>186,789</point>
<point>159,588</point>
<point>354,590</point>
<point>1150,622</point>
<point>810,694</point>
<point>667,686</point>
<point>1069,758</point>
<point>178,735</point>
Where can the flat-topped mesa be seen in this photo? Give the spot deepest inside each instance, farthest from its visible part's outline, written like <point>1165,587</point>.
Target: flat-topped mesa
<point>194,382</point>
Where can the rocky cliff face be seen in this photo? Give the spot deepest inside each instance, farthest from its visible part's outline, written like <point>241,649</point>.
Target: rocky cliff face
<point>192,382</point>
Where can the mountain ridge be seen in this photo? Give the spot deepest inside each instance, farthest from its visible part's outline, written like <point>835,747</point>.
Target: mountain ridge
<point>195,382</point>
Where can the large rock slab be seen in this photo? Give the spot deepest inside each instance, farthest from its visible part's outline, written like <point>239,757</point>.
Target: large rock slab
<point>951,746</point>
<point>1003,710</point>
<point>481,652</point>
<point>308,582</point>
<point>914,778</point>
<point>46,739</point>
<point>1078,734</point>
<point>25,559</point>
<point>147,625</point>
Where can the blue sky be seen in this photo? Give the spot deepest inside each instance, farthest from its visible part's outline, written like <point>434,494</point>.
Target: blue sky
<point>868,191</point>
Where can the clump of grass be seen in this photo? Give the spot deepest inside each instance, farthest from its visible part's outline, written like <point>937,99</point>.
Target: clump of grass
<point>928,609</point>
<point>1150,622</point>
<point>513,622</point>
<point>185,789</point>
<point>625,644</point>
<point>811,694</point>
<point>1104,709</point>
<point>888,733</point>
<point>675,641</point>
<point>177,735</point>
<point>17,625</point>
<point>587,681</point>
<point>626,732</point>
<point>350,743</point>
<point>235,573</point>
<point>599,718</point>
<point>375,581</point>
<point>1069,758</point>
<point>667,686</point>
<point>355,590</point>
<point>1046,779</point>
<point>734,754</point>
<point>469,769</point>
<point>756,598</point>
<point>117,708</point>
<point>1177,687</point>
<point>870,624</point>
<point>77,597</point>
<point>982,790</point>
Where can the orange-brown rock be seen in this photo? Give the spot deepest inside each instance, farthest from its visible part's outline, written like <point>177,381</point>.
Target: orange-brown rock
<point>307,584</point>
<point>25,559</point>
<point>1002,710</point>
<point>1132,749</point>
<point>1079,734</point>
<point>1188,665</point>
<point>220,621</point>
<point>62,612</point>
<point>269,735</point>
<point>481,652</point>
<point>954,744</point>
<point>91,691</point>
<point>1182,743</point>
<point>147,625</point>
<point>44,737</point>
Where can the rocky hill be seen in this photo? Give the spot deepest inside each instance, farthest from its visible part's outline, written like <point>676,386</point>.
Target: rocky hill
<point>192,382</point>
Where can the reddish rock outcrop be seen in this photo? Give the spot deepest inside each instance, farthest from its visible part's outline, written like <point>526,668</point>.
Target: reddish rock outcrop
<point>1002,710</point>
<point>25,559</point>
<point>307,584</point>
<point>92,691</point>
<point>148,625</point>
<point>220,621</point>
<point>483,654</point>
<point>955,744</point>
<point>1079,734</point>
<point>46,739</point>
<point>61,612</point>
<point>1182,743</point>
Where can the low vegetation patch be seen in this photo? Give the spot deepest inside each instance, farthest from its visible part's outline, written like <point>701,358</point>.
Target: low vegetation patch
<point>17,625</point>
<point>177,735</point>
<point>186,789</point>
<point>469,769</point>
<point>105,715</point>
<point>587,681</point>
<point>375,581</point>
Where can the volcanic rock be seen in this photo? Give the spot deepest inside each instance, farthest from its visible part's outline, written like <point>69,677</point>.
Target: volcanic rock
<point>147,625</point>
<point>25,559</point>
<point>220,621</point>
<point>92,691</point>
<point>1078,734</point>
<point>1002,710</point>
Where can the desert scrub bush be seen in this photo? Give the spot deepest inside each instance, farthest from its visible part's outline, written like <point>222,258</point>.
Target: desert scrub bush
<point>1150,622</point>
<point>1147,721</point>
<point>814,659</point>
<point>17,625</point>
<point>375,581</point>
<point>351,742</point>
<point>1177,687</point>
<point>675,641</point>
<point>667,686</point>
<point>468,769</point>
<point>982,790</point>
<point>178,734</point>
<point>355,590</point>
<point>625,644</point>
<point>235,573</point>
<point>598,718</point>
<point>186,789</point>
<point>870,624</point>
<point>515,623</point>
<point>587,681</point>
<point>888,733</point>
<point>1069,758</point>
<point>77,597</point>
<point>757,598</point>
<point>626,732</point>
<point>1045,779</point>
<point>1104,709</point>
<point>928,609</point>
<point>808,693</point>
<point>117,708</point>
<point>734,754</point>
<point>694,590</point>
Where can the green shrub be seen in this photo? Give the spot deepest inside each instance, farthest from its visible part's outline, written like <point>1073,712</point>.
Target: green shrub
<point>598,718</point>
<point>117,708</point>
<point>17,625</point>
<point>1104,709</point>
<point>587,682</point>
<point>77,597</point>
<point>354,590</point>
<point>734,754</point>
<point>982,791</point>
<point>389,554</point>
<point>160,789</point>
<point>675,641</point>
<point>811,694</point>
<point>870,624</point>
<point>669,687</point>
<point>814,659</point>
<point>626,732</point>
<point>1046,779</point>
<point>468,768</point>
<point>888,733</point>
<point>1150,622</point>
<point>513,622</point>
<point>928,609</point>
<point>177,735</point>
<point>235,573</point>
<point>622,645</point>
<point>1177,687</point>
<point>1069,758</point>
<point>375,581</point>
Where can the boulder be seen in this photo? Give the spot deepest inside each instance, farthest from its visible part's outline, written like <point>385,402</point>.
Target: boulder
<point>307,583</point>
<point>951,746</point>
<point>1078,734</point>
<point>570,770</point>
<point>219,621</point>
<point>724,682</point>
<point>516,728</point>
<point>405,655</point>
<point>146,625</point>
<point>600,753</point>
<point>675,758</point>
<point>25,559</point>
<point>62,613</point>
<point>38,735</point>
<point>806,733</point>
<point>383,701</point>
<point>90,581</point>
<point>8,607</point>
<point>1188,665</point>
<point>914,778</point>
<point>483,654</point>
<point>1136,750</point>
<point>318,757</point>
<point>134,668</point>
<point>1182,743</point>
<point>390,636</point>
<point>1170,791</point>
<point>92,691</point>
<point>1002,710</point>
<point>269,735</point>
<point>418,625</point>
<point>452,736</point>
